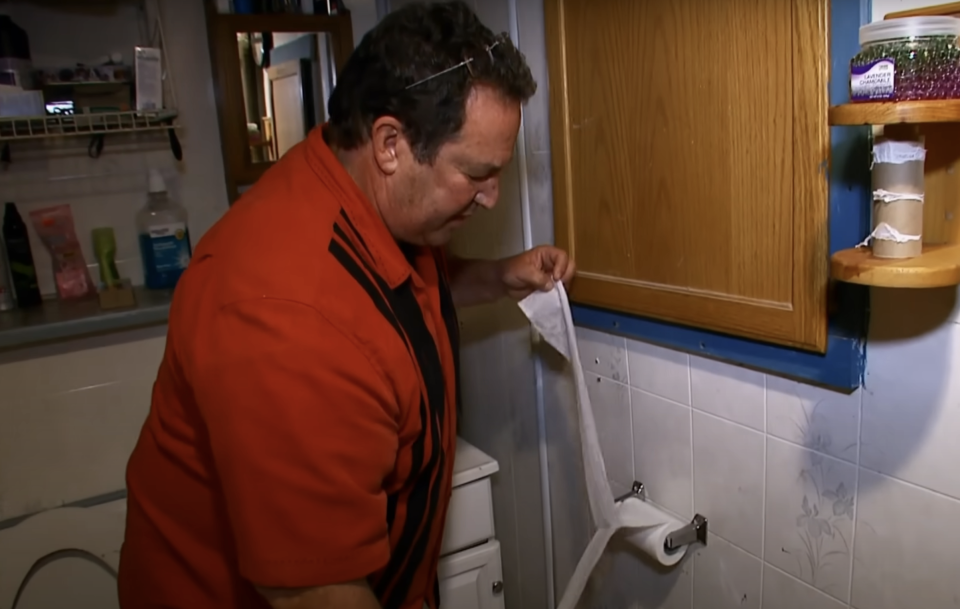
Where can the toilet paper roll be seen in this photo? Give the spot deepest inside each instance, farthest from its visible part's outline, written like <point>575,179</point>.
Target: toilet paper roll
<point>549,312</point>
<point>650,537</point>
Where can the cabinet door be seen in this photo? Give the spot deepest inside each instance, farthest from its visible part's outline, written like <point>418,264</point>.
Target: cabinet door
<point>690,148</point>
<point>472,579</point>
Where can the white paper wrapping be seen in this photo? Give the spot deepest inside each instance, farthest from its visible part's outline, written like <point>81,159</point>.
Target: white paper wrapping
<point>898,152</point>
<point>549,312</point>
<point>885,232</point>
<point>886,196</point>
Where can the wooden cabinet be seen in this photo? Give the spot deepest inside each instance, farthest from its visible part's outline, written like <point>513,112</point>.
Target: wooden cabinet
<point>690,148</point>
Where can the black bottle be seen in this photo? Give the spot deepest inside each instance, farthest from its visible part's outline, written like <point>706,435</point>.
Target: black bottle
<point>20,258</point>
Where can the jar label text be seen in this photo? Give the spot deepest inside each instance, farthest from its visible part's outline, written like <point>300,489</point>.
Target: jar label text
<point>873,81</point>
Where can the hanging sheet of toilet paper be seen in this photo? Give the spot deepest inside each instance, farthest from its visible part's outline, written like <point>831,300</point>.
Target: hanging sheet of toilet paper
<point>647,526</point>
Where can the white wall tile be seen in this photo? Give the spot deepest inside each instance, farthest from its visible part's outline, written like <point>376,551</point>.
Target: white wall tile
<point>781,591</point>
<point>910,417</point>
<point>725,577</point>
<point>817,418</point>
<point>730,392</point>
<point>572,525</point>
<point>728,480</point>
<point>659,371</point>
<point>624,579</point>
<point>906,549</point>
<point>665,588</point>
<point>663,455</point>
<point>603,354</point>
<point>611,408</point>
<point>809,516</point>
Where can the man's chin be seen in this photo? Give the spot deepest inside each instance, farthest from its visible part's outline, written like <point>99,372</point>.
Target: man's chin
<point>442,235</point>
<point>439,236</point>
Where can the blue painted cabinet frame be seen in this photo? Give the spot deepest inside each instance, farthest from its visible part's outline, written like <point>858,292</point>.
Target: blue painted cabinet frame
<point>842,365</point>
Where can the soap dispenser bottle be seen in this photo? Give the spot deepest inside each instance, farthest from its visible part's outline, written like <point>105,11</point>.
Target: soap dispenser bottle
<point>164,236</point>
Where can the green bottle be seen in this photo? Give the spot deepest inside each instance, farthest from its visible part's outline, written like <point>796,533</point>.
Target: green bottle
<point>105,250</point>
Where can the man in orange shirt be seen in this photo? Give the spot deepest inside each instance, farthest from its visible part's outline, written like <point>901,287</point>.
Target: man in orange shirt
<point>299,447</point>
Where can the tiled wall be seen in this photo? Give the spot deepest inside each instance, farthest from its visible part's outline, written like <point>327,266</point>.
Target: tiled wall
<point>108,191</point>
<point>816,499</point>
<point>70,413</point>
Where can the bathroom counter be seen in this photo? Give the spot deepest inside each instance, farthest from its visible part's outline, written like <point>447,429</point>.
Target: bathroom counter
<point>57,320</point>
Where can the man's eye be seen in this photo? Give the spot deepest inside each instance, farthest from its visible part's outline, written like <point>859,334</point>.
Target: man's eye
<point>481,177</point>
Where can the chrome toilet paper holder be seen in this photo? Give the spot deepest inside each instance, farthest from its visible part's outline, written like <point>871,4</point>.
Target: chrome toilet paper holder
<point>694,532</point>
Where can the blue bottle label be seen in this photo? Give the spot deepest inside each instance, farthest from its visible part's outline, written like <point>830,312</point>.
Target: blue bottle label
<point>169,247</point>
<point>166,253</point>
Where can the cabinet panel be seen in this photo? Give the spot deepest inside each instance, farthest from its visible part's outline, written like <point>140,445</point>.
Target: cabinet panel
<point>472,579</point>
<point>690,142</point>
<point>469,517</point>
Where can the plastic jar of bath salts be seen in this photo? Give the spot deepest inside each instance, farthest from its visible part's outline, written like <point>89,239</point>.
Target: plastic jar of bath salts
<point>912,58</point>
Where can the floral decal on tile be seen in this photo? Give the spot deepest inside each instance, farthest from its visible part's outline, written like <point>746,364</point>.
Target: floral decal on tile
<point>821,420</point>
<point>823,543</point>
<point>809,517</point>
<point>815,428</point>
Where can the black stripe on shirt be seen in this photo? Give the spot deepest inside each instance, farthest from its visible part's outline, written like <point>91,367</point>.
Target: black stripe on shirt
<point>353,231</point>
<point>422,505</point>
<point>393,585</point>
<point>351,266</point>
<point>449,312</point>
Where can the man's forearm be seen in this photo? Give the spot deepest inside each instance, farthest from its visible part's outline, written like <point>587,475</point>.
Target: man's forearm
<point>475,282</point>
<point>352,595</point>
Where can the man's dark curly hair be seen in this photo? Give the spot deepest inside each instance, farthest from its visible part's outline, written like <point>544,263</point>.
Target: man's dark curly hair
<point>412,44</point>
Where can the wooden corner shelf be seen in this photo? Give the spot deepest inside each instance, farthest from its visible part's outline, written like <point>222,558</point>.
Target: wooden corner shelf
<point>892,113</point>
<point>937,266</point>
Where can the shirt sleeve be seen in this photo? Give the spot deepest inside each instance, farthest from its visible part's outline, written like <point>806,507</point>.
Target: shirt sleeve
<point>303,433</point>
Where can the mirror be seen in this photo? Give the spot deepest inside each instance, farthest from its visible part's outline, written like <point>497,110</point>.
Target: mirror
<point>272,77</point>
<point>287,78</point>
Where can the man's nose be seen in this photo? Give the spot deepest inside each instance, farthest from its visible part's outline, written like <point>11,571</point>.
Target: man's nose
<point>488,196</point>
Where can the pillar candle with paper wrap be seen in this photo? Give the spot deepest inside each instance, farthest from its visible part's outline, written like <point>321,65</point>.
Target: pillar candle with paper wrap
<point>897,198</point>
<point>645,526</point>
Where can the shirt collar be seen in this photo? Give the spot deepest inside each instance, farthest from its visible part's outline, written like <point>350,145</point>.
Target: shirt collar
<point>388,257</point>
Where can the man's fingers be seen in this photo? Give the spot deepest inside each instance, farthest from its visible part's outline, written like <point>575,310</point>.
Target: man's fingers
<point>569,272</point>
<point>557,261</point>
<point>542,280</point>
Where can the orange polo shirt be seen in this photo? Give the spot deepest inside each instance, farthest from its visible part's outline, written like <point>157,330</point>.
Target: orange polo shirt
<point>302,428</point>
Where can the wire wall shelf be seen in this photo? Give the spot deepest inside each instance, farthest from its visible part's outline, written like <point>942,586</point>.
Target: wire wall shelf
<point>38,127</point>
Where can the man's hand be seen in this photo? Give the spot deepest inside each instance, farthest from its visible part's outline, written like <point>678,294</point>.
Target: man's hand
<point>536,269</point>
<point>475,282</point>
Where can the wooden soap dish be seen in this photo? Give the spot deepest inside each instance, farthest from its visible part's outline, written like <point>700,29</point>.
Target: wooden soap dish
<point>121,297</point>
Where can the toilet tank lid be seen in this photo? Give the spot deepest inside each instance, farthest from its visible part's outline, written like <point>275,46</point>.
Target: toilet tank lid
<point>472,464</point>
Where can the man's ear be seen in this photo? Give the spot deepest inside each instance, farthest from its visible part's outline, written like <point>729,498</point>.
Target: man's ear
<point>388,143</point>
